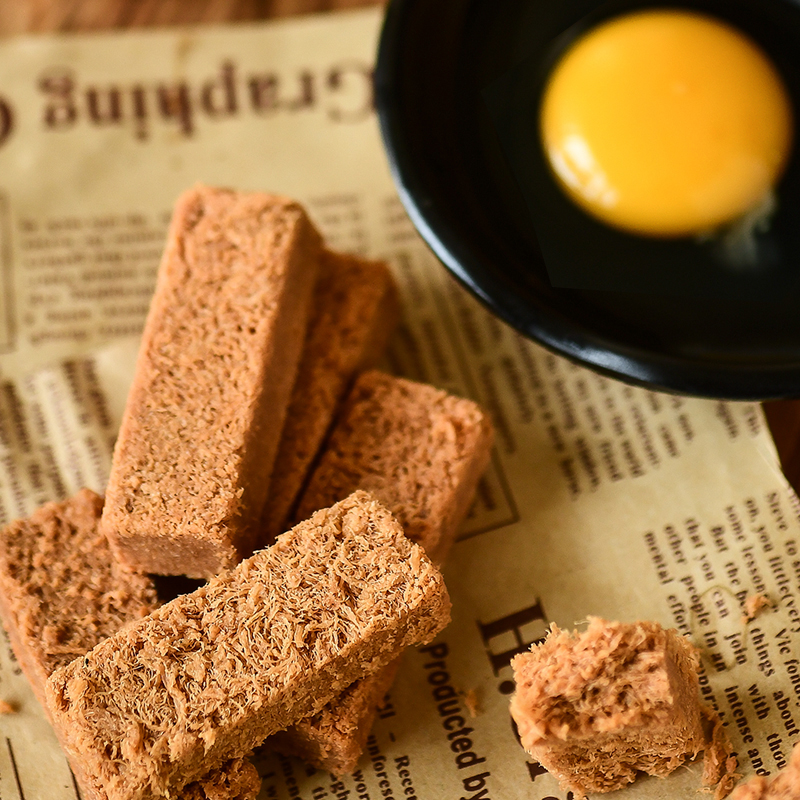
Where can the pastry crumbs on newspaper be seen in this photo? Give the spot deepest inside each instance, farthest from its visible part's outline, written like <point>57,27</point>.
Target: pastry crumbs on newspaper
<point>755,605</point>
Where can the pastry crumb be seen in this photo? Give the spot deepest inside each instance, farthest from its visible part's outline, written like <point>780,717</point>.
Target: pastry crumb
<point>719,761</point>
<point>754,604</point>
<point>7,708</point>
<point>472,702</point>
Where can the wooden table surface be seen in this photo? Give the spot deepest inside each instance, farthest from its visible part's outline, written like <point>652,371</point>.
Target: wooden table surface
<point>31,16</point>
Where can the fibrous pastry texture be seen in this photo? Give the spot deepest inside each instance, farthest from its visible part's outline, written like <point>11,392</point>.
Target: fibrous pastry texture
<point>598,707</point>
<point>334,739</point>
<point>208,676</point>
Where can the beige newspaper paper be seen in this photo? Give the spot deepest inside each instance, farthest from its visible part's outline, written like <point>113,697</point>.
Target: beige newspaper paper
<point>602,499</point>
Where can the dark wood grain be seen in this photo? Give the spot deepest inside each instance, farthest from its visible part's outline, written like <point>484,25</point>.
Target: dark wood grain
<point>29,16</point>
<point>784,422</point>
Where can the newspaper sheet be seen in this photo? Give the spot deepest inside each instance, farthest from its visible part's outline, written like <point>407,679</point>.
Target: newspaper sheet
<point>602,499</point>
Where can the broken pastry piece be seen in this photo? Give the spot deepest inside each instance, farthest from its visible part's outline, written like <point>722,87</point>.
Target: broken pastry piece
<point>216,366</point>
<point>62,592</point>
<point>597,708</point>
<point>354,310</point>
<point>784,786</point>
<point>421,451</point>
<point>208,676</point>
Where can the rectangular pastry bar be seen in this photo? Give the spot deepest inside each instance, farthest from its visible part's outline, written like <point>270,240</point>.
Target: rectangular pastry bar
<point>213,379</point>
<point>354,310</point>
<point>62,592</point>
<point>208,676</point>
<point>421,451</point>
<point>418,449</point>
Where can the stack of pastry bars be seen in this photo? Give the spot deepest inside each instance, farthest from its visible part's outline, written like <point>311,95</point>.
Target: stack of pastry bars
<point>234,428</point>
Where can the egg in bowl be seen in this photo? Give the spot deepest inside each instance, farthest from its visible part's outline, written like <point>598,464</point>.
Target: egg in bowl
<point>666,123</point>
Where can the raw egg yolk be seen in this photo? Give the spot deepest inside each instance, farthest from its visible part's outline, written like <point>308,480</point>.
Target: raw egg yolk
<point>666,123</point>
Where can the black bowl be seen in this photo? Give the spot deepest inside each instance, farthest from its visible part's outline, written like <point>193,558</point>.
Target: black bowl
<point>671,315</point>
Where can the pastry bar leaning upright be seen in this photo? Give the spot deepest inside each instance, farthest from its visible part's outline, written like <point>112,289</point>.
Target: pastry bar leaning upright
<point>595,708</point>
<point>208,676</point>
<point>215,371</point>
<point>62,592</point>
<point>355,309</point>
